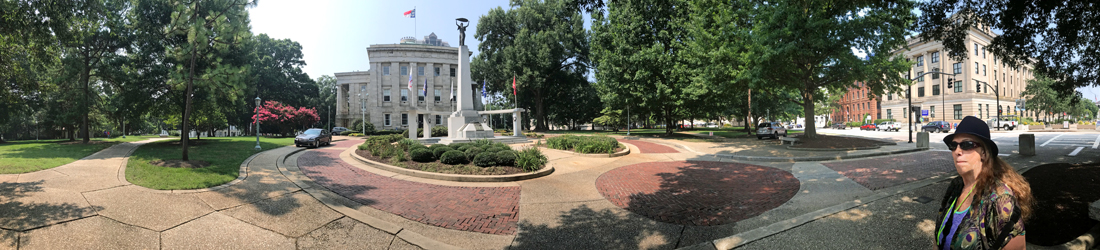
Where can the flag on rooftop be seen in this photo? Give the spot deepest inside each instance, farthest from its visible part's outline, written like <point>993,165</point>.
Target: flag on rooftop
<point>411,13</point>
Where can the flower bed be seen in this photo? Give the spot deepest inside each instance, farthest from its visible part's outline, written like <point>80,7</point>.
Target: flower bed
<point>598,144</point>
<point>483,157</point>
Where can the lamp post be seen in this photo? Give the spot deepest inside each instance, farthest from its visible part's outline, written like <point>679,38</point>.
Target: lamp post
<point>363,113</point>
<point>995,92</point>
<point>914,113</point>
<point>257,120</point>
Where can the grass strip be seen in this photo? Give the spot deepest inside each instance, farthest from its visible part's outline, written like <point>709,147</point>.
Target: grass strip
<point>225,156</point>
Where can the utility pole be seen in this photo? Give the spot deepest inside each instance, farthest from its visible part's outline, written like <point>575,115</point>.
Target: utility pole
<point>909,96</point>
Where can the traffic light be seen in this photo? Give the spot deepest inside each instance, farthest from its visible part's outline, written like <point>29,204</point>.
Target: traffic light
<point>950,83</point>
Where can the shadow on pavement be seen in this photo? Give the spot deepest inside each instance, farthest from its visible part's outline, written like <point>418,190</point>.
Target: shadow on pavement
<point>17,215</point>
<point>585,228</point>
<point>326,169</point>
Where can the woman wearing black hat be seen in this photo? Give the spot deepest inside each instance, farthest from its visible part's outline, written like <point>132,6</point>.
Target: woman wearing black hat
<point>986,206</point>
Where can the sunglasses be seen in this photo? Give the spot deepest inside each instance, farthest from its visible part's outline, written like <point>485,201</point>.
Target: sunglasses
<point>965,145</point>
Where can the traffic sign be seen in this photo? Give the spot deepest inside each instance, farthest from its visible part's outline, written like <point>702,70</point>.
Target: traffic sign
<point>924,112</point>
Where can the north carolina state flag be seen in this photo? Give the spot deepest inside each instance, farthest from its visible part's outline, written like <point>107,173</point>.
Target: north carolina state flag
<point>411,13</point>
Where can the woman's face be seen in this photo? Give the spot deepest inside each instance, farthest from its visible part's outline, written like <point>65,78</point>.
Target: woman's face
<point>967,161</point>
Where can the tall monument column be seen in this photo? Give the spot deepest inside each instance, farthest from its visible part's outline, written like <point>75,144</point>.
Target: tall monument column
<point>465,122</point>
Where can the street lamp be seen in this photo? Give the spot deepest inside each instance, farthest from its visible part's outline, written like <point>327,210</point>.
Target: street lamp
<point>362,113</point>
<point>257,120</point>
<point>909,96</point>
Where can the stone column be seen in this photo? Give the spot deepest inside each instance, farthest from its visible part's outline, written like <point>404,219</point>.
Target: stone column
<point>427,125</point>
<point>516,126</point>
<point>412,124</point>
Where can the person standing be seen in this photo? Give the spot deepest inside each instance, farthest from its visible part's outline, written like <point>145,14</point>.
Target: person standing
<point>986,206</point>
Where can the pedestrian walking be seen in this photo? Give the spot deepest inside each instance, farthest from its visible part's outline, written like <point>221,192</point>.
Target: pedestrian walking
<point>986,206</point>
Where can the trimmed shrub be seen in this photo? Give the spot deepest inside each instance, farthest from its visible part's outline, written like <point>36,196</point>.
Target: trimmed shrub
<point>472,151</point>
<point>421,155</point>
<point>506,157</point>
<point>485,159</point>
<point>530,159</point>
<point>364,147</point>
<point>438,151</point>
<point>437,145</point>
<point>584,144</point>
<point>492,149</point>
<point>453,157</point>
<point>418,146</point>
<point>406,144</point>
<point>358,124</point>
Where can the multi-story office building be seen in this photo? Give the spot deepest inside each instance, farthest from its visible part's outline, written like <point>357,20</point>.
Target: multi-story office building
<point>856,106</point>
<point>381,93</point>
<point>978,82</point>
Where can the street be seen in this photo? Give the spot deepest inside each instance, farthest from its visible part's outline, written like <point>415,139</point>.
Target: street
<point>1083,145</point>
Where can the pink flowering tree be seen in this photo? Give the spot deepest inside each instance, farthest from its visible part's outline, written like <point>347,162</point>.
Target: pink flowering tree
<point>285,117</point>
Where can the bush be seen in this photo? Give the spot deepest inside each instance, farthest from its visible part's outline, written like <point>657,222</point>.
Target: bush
<point>418,146</point>
<point>453,157</point>
<point>438,151</point>
<point>492,149</point>
<point>383,139</point>
<point>437,131</point>
<point>854,124</point>
<point>530,159</point>
<point>472,151</point>
<point>485,159</point>
<point>584,144</point>
<point>358,124</point>
<point>355,134</point>
<point>879,121</point>
<point>407,144</point>
<point>533,135</point>
<point>421,155</point>
<point>348,132</point>
<point>506,157</point>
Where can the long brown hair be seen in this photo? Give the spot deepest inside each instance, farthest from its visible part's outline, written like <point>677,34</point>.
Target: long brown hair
<point>994,169</point>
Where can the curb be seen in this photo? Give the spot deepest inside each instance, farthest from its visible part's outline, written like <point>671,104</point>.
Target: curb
<point>814,158</point>
<point>832,149</point>
<point>625,151</point>
<point>336,202</point>
<point>546,170</point>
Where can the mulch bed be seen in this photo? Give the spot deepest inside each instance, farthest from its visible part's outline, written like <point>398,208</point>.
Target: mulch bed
<point>1062,194</point>
<point>439,167</point>
<point>180,164</point>
<point>835,142</point>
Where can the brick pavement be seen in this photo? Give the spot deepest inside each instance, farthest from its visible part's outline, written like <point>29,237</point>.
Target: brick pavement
<point>491,210</point>
<point>882,172</point>
<point>649,147</point>
<point>701,193</point>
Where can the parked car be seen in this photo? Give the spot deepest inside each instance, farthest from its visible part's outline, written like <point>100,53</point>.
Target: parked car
<point>1006,122</point>
<point>313,137</point>
<point>936,126</point>
<point>770,129</point>
<point>887,126</point>
<point>337,130</point>
<point>839,126</point>
<point>871,126</point>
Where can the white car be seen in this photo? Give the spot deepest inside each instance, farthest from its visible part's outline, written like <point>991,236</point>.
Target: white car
<point>1007,122</point>
<point>770,129</point>
<point>887,126</point>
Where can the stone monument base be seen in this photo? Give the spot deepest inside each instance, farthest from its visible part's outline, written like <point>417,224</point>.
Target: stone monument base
<point>500,139</point>
<point>466,125</point>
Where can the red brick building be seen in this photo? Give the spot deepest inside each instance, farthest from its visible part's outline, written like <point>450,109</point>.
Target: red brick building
<point>856,106</point>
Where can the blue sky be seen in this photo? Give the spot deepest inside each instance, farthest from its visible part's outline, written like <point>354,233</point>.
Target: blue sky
<point>335,34</point>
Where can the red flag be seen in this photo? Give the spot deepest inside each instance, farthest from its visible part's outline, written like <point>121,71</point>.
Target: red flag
<point>514,86</point>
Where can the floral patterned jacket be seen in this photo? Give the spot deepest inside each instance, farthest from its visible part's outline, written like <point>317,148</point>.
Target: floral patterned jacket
<point>991,222</point>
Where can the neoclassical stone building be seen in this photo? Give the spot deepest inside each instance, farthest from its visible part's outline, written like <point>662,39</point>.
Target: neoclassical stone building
<point>978,81</point>
<point>382,91</point>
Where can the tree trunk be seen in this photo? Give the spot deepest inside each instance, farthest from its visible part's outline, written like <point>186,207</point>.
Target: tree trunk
<point>748,115</point>
<point>84,75</point>
<point>808,108</point>
<point>540,115</point>
<point>187,105</point>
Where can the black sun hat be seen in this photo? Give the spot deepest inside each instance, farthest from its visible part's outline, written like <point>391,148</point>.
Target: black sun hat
<point>974,126</point>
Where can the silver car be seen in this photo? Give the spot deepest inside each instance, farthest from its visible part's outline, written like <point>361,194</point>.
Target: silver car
<point>770,129</point>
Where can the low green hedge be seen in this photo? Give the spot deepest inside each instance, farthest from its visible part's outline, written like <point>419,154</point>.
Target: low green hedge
<point>584,144</point>
<point>483,153</point>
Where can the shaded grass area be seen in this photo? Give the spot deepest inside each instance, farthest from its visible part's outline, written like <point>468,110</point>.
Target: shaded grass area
<point>29,156</point>
<point>225,156</point>
<point>1062,194</point>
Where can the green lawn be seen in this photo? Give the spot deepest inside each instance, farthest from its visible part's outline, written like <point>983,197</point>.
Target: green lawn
<point>29,156</point>
<point>225,156</point>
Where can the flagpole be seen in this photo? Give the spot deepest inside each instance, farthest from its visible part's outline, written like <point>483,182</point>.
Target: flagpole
<point>414,24</point>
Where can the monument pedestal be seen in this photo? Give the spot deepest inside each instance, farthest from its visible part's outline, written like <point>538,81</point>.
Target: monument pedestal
<point>466,125</point>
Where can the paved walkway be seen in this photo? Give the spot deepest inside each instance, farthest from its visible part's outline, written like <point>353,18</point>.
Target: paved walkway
<point>323,198</point>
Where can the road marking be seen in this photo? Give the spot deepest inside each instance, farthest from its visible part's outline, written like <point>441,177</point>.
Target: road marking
<point>1075,151</point>
<point>1051,139</point>
<point>1096,143</point>
<point>1003,154</point>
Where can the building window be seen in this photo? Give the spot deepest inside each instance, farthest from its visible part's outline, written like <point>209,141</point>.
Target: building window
<point>958,86</point>
<point>958,111</point>
<point>420,96</point>
<point>935,57</point>
<point>987,110</point>
<point>935,89</point>
<point>920,92</point>
<point>975,49</point>
<point>983,54</point>
<point>385,70</point>
<point>935,76</point>
<point>983,70</point>
<point>890,97</point>
<point>437,92</point>
<point>386,119</point>
<point>404,119</point>
<point>980,111</point>
<point>404,70</point>
<point>453,72</point>
<point>932,111</point>
<point>976,69</point>
<point>420,70</point>
<point>920,77</point>
<point>438,120</point>
<point>404,95</point>
<point>920,61</point>
<point>385,95</point>
<point>958,68</point>
<point>436,71</point>
<point>905,113</point>
<point>889,115</point>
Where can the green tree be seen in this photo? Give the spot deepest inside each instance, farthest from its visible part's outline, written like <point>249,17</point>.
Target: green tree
<point>638,53</point>
<point>326,99</point>
<point>805,47</point>
<point>1057,37</point>
<point>542,44</point>
<point>276,67</point>
<point>1042,97</point>
<point>27,47</point>
<point>210,36</point>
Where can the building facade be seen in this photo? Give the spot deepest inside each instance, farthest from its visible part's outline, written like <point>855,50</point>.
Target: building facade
<point>856,106</point>
<point>978,82</point>
<point>381,93</point>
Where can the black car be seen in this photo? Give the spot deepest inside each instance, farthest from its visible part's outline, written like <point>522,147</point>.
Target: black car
<point>313,137</point>
<point>936,126</point>
<point>839,126</point>
<point>337,130</point>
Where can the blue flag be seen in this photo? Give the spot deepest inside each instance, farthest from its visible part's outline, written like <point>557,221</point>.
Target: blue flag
<point>483,94</point>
